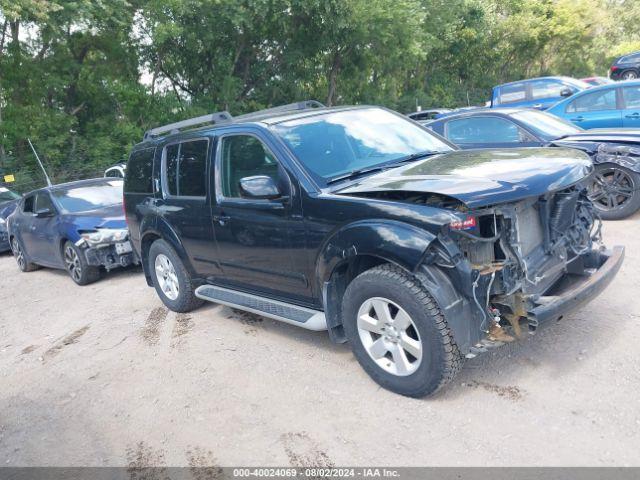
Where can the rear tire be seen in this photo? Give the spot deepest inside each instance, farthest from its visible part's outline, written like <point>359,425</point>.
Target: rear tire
<point>21,257</point>
<point>398,333</point>
<point>629,75</point>
<point>615,192</point>
<point>76,265</point>
<point>171,279</point>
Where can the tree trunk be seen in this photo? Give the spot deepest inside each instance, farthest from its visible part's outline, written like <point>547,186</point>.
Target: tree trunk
<point>333,79</point>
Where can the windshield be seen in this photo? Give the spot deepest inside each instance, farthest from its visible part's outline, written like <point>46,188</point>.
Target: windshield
<point>7,195</point>
<point>333,144</point>
<point>89,197</point>
<point>545,124</point>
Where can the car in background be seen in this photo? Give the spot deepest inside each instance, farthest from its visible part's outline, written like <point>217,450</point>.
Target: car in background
<point>540,93</point>
<point>626,67</point>
<point>616,105</point>
<point>428,114</point>
<point>116,171</point>
<point>615,186</point>
<point>596,81</point>
<point>8,200</point>
<point>77,226</point>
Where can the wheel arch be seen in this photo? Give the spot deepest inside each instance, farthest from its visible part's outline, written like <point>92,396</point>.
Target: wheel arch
<point>360,246</point>
<point>162,231</point>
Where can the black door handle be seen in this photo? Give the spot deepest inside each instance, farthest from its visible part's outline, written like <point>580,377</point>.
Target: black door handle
<point>221,219</point>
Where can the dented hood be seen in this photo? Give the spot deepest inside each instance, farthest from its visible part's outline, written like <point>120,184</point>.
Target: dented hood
<point>483,177</point>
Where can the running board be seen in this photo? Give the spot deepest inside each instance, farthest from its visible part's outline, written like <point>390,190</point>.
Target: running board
<point>284,312</point>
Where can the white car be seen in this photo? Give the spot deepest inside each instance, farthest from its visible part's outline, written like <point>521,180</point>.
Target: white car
<point>116,171</point>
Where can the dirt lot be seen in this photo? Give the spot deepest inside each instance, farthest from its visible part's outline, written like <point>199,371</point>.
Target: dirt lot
<point>104,375</point>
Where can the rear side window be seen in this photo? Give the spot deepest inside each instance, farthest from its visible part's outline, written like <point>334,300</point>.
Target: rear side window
<point>630,59</point>
<point>516,92</point>
<point>139,172</point>
<point>631,96</point>
<point>28,204</point>
<point>483,130</point>
<point>593,102</point>
<point>185,167</point>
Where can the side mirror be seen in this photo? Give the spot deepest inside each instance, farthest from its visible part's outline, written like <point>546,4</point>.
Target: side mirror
<point>259,187</point>
<point>44,212</point>
<point>566,92</point>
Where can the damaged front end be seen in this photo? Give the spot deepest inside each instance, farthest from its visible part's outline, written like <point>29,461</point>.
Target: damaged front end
<point>107,247</point>
<point>519,264</point>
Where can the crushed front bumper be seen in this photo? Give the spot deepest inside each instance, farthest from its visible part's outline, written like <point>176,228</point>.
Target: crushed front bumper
<point>107,256</point>
<point>579,289</point>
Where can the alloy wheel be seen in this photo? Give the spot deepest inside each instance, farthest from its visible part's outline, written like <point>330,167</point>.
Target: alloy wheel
<point>389,336</point>
<point>611,189</point>
<point>18,253</point>
<point>72,261</point>
<point>630,75</point>
<point>167,278</point>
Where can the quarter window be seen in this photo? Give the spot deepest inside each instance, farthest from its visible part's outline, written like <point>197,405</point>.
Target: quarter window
<point>139,172</point>
<point>244,156</point>
<point>185,169</point>
<point>484,130</point>
<point>593,102</point>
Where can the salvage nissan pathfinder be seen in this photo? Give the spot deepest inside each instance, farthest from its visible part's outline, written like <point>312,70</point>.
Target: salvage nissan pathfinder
<point>359,221</point>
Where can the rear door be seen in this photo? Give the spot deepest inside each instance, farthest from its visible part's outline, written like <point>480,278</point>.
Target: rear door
<point>631,106</point>
<point>598,109</point>
<point>488,131</point>
<point>185,202</point>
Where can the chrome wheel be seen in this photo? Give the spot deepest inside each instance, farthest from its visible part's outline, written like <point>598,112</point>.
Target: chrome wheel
<point>389,336</point>
<point>72,261</point>
<point>18,253</point>
<point>167,278</point>
<point>611,189</point>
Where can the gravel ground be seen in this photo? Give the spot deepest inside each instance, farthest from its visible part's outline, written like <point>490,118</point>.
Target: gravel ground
<point>105,375</point>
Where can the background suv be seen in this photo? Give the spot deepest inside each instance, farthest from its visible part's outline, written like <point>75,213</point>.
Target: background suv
<point>626,67</point>
<point>540,93</point>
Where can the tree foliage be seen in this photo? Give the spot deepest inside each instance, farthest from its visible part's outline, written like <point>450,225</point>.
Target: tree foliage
<point>83,78</point>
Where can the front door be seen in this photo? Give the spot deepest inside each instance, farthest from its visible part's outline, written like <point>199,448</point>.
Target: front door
<point>260,241</point>
<point>42,232</point>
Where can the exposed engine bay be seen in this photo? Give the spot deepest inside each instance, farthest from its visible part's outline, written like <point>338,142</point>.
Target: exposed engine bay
<point>521,254</point>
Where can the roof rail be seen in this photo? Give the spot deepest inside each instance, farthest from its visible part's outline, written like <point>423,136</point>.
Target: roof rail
<point>211,118</point>
<point>304,105</point>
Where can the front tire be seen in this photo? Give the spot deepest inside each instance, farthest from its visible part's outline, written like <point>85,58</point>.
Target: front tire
<point>615,191</point>
<point>77,267</point>
<point>171,279</point>
<point>21,257</point>
<point>398,333</point>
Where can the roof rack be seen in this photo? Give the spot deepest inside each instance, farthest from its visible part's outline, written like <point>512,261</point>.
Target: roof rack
<point>211,118</point>
<point>225,117</point>
<point>304,105</point>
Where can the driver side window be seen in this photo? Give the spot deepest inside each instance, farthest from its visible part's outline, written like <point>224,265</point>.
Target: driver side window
<point>485,130</point>
<point>244,156</point>
<point>43,202</point>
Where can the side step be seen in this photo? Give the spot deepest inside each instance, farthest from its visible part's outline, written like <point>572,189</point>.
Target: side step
<point>285,312</point>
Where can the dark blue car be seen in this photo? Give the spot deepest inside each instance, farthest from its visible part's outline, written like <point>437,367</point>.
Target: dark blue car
<point>77,226</point>
<point>615,189</point>
<point>540,93</point>
<point>8,200</point>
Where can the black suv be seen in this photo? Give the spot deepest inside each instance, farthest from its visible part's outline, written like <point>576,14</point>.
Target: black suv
<point>359,221</point>
<point>626,67</point>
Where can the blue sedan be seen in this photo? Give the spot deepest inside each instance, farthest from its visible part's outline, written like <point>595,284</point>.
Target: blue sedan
<point>608,106</point>
<point>77,226</point>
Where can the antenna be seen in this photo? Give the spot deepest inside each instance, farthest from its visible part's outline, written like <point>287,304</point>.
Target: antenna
<point>40,163</point>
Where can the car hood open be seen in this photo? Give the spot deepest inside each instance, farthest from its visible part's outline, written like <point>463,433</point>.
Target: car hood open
<point>483,177</point>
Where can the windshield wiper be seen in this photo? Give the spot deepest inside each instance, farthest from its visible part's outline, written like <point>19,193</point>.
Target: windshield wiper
<point>357,173</point>
<point>383,167</point>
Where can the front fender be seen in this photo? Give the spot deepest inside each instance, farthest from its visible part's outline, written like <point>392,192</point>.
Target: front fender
<point>393,241</point>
